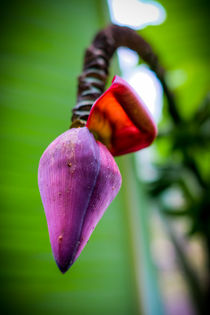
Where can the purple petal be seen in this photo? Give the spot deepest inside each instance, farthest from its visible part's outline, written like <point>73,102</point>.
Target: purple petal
<point>107,186</point>
<point>68,171</point>
<point>78,178</point>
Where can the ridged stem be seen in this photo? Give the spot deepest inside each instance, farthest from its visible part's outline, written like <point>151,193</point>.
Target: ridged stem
<point>93,79</point>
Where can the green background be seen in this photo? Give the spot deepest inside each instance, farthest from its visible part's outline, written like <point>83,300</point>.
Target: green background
<point>42,47</point>
<point>41,53</point>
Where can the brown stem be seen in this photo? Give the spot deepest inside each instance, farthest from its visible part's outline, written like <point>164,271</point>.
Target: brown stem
<point>96,63</point>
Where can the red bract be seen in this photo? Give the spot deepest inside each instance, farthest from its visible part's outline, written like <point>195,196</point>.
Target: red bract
<point>120,120</point>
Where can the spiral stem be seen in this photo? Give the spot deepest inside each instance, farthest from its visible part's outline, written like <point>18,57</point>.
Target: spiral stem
<point>93,79</point>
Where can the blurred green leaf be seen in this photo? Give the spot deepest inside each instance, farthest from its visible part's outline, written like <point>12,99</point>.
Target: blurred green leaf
<point>42,46</point>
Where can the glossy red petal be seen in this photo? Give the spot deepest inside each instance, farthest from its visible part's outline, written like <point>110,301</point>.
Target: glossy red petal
<point>120,120</point>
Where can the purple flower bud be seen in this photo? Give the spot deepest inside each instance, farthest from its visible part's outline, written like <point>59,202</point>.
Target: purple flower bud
<point>78,178</point>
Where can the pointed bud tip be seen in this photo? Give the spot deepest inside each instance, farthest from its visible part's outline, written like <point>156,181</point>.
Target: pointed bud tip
<point>65,267</point>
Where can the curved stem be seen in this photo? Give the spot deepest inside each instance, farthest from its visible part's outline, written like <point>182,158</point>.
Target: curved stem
<point>96,63</point>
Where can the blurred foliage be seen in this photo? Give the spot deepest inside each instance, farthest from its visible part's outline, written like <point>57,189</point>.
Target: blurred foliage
<point>183,165</point>
<point>182,173</point>
<point>42,45</point>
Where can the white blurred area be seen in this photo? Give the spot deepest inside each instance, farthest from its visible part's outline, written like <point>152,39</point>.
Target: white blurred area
<point>136,14</point>
<point>144,81</point>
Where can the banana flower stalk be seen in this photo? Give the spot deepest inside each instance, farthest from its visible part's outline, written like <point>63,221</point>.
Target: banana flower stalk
<point>78,177</point>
